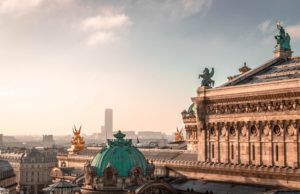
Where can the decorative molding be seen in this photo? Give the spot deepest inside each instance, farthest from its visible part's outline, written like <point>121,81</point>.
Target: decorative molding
<point>265,106</point>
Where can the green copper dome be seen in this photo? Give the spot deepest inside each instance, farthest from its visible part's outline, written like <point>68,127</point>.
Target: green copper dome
<point>121,155</point>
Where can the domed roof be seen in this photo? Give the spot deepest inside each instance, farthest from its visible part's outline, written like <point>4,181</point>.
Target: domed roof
<point>119,154</point>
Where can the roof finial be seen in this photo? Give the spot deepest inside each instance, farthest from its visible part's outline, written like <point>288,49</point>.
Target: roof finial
<point>119,135</point>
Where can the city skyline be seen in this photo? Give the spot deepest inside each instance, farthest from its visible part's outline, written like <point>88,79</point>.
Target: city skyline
<point>64,62</point>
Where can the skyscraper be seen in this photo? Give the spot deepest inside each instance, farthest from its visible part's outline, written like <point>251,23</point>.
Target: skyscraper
<point>108,123</point>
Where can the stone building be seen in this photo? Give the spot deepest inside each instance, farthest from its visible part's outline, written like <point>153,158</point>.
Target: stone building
<point>31,166</point>
<point>7,177</point>
<point>249,127</point>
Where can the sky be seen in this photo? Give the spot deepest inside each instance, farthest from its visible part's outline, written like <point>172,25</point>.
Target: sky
<point>64,61</point>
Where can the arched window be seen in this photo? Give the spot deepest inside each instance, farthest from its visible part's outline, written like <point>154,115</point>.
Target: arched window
<point>253,130</point>
<point>213,131</point>
<point>232,152</point>
<point>276,130</point>
<point>276,152</point>
<point>253,152</point>
<point>213,151</point>
<point>232,131</point>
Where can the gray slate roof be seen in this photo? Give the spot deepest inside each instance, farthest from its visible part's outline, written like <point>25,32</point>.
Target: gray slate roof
<point>273,70</point>
<point>62,185</point>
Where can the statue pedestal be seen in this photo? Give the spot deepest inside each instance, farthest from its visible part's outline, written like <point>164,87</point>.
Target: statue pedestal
<point>201,90</point>
<point>283,53</point>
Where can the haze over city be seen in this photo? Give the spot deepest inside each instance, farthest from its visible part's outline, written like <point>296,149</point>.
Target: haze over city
<point>64,61</point>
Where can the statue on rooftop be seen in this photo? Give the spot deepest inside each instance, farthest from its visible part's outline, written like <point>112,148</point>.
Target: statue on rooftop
<point>178,135</point>
<point>77,140</point>
<point>283,39</point>
<point>88,173</point>
<point>206,77</point>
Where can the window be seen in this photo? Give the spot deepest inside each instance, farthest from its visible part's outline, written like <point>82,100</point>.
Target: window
<point>276,130</point>
<point>232,152</point>
<point>213,150</point>
<point>276,152</point>
<point>253,152</point>
<point>232,131</point>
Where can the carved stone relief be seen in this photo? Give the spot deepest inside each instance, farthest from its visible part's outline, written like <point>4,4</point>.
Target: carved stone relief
<point>266,130</point>
<point>244,131</point>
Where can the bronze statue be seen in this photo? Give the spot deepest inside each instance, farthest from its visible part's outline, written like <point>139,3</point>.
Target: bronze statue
<point>283,39</point>
<point>206,78</point>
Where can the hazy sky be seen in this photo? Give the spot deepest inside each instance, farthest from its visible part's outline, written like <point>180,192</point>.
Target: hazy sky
<point>64,61</point>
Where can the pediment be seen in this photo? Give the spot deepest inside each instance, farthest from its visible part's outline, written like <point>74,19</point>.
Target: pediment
<point>273,70</point>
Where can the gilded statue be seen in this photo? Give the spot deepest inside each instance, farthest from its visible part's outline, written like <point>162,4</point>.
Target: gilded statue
<point>178,135</point>
<point>77,141</point>
<point>206,77</point>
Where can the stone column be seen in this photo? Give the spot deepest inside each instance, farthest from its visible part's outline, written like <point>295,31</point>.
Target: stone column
<point>244,144</point>
<point>291,145</point>
<point>266,144</point>
<point>201,125</point>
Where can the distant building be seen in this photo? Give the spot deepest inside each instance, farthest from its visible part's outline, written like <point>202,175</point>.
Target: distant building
<point>108,123</point>
<point>4,191</point>
<point>103,130</point>
<point>7,178</point>
<point>32,168</point>
<point>48,141</point>
<point>1,139</point>
<point>130,134</point>
<point>150,135</point>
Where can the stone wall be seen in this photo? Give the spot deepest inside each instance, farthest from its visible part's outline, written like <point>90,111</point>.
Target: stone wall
<point>249,133</point>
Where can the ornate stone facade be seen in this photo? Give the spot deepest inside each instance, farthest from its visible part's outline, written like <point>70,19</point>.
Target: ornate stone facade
<point>190,121</point>
<point>256,127</point>
<point>31,167</point>
<point>251,121</point>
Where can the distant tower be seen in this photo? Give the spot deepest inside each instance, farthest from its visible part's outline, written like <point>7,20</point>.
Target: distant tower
<point>108,123</point>
<point>48,141</point>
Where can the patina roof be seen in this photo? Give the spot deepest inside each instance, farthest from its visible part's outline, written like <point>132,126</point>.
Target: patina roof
<point>121,155</point>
